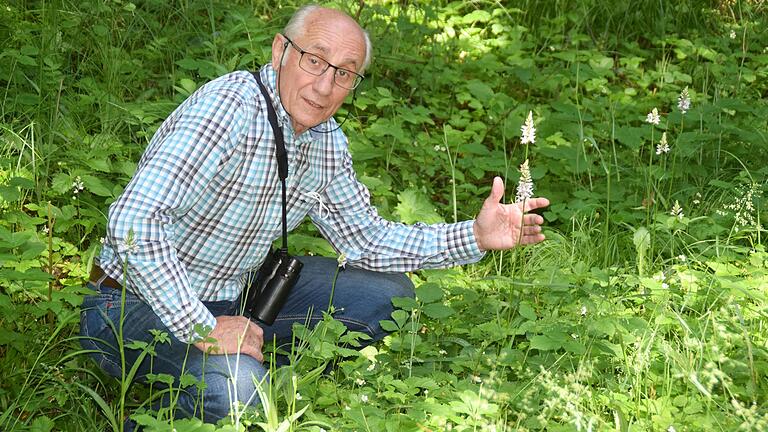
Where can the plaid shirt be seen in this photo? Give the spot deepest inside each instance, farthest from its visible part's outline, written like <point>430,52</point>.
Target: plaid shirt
<point>203,207</point>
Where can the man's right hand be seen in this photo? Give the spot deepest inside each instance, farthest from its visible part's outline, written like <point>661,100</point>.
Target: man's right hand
<point>233,333</point>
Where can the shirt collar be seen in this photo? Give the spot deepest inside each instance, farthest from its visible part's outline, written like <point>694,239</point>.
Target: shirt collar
<point>269,78</point>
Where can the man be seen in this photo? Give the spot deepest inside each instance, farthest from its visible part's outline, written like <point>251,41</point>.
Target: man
<point>204,207</point>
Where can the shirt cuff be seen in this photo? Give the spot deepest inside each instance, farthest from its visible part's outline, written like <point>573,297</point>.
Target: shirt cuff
<point>462,245</point>
<point>183,325</point>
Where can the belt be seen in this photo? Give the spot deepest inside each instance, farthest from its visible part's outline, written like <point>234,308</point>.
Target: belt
<point>97,274</point>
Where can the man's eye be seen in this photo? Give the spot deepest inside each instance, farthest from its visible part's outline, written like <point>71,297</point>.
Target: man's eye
<point>314,61</point>
<point>343,73</point>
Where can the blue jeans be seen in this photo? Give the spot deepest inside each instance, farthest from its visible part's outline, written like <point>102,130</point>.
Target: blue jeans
<point>362,298</point>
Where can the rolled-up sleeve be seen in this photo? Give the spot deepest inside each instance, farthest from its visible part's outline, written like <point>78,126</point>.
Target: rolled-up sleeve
<point>353,227</point>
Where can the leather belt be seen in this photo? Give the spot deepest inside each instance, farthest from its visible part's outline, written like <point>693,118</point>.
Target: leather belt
<point>97,273</point>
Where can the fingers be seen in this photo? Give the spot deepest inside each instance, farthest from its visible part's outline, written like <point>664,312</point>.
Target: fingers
<point>497,191</point>
<point>535,203</point>
<point>234,334</point>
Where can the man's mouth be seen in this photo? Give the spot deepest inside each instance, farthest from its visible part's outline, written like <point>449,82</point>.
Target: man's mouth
<point>313,104</point>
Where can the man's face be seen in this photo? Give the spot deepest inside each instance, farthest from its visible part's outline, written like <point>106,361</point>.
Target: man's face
<point>310,99</point>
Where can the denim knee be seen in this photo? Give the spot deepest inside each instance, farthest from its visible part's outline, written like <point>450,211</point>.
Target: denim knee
<point>229,380</point>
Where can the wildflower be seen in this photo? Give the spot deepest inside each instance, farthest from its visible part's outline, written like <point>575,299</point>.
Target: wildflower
<point>437,148</point>
<point>677,211</point>
<point>653,117</point>
<point>46,230</point>
<point>103,241</point>
<point>697,198</point>
<point>743,206</point>
<point>525,185</point>
<point>371,367</point>
<point>527,130</point>
<point>684,101</point>
<point>682,258</point>
<point>364,398</point>
<point>662,147</point>
<point>77,185</point>
<point>665,285</point>
<point>442,352</point>
<point>583,311</point>
<point>733,34</point>
<point>671,429</point>
<point>298,396</point>
<point>360,382</point>
<point>129,244</point>
<point>342,260</point>
<point>477,379</point>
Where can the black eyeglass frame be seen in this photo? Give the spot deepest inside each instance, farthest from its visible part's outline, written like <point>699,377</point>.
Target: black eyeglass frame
<point>358,78</point>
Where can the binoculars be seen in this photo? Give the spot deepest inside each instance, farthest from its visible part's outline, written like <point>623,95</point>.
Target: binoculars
<point>274,280</point>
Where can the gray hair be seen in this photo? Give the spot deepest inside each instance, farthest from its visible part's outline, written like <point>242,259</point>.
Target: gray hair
<point>295,28</point>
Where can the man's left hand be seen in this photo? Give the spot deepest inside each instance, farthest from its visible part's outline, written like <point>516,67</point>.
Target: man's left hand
<point>498,226</point>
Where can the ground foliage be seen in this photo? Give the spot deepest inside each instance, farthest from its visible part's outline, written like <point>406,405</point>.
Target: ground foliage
<point>644,310</point>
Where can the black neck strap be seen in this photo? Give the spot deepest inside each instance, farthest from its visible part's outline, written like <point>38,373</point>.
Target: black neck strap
<point>280,153</point>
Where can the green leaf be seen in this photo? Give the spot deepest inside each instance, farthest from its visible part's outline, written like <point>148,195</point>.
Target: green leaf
<point>389,326</point>
<point>429,292</point>
<point>97,186</point>
<point>527,311</point>
<point>545,343</point>
<point>400,317</point>
<point>404,303</point>
<point>438,310</point>
<point>414,207</point>
<point>42,424</point>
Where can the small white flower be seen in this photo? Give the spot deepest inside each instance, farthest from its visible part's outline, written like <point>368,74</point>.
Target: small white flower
<point>663,146</point>
<point>129,244</point>
<point>525,184</point>
<point>574,336</point>
<point>298,396</point>
<point>371,367</point>
<point>653,117</point>
<point>347,408</point>
<point>103,240</point>
<point>442,352</point>
<point>437,148</point>
<point>583,311</point>
<point>477,379</point>
<point>342,260</point>
<point>527,130</point>
<point>733,34</point>
<point>677,211</point>
<point>665,285</point>
<point>671,429</point>
<point>684,101</point>
<point>45,230</point>
<point>360,382</point>
<point>77,185</point>
<point>364,398</point>
<point>682,258</point>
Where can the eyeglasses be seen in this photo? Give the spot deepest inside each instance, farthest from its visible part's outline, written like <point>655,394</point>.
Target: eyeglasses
<point>316,65</point>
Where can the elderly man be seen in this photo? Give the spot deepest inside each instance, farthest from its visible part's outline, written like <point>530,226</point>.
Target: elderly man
<point>204,207</point>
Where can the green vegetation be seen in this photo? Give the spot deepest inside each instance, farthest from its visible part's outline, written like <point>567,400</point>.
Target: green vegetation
<point>646,309</point>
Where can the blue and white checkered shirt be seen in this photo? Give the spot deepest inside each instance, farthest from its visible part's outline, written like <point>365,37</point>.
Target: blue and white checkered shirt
<point>203,207</point>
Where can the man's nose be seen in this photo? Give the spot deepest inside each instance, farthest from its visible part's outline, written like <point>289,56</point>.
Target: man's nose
<point>324,83</point>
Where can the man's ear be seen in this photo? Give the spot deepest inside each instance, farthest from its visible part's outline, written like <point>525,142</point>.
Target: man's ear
<point>279,44</point>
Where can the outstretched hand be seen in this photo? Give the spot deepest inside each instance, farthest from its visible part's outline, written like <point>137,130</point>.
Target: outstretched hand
<point>498,226</point>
